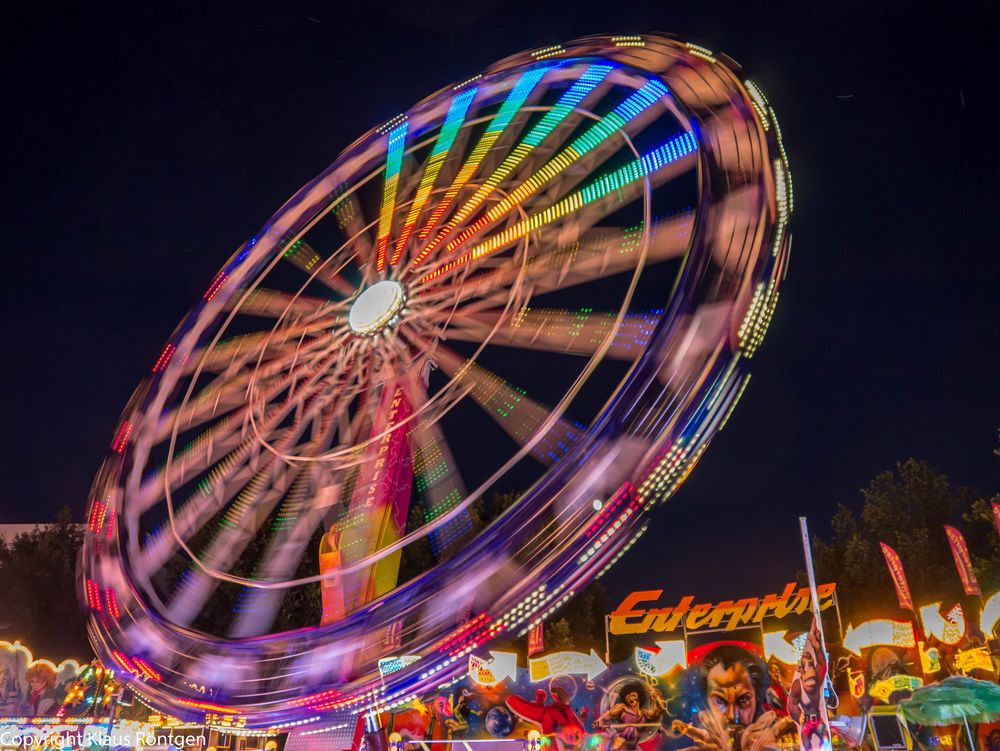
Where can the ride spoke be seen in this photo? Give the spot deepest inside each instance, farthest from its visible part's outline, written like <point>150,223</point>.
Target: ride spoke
<point>355,226</point>
<point>570,99</point>
<point>437,479</point>
<point>305,257</point>
<point>230,389</point>
<point>222,438</point>
<point>296,523</point>
<point>511,408</point>
<point>632,106</point>
<point>597,254</point>
<point>301,514</point>
<point>214,491</point>
<point>676,149</point>
<point>580,332</point>
<point>511,106</point>
<point>393,163</point>
<point>235,352</point>
<point>251,507</point>
<point>270,303</point>
<point>442,146</point>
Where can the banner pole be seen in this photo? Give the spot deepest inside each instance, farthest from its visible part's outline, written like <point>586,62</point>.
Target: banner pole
<point>805,733</point>
<point>811,574</point>
<point>607,639</point>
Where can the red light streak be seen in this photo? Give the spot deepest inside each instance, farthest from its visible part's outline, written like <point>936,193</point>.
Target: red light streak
<point>93,596</point>
<point>216,285</point>
<point>122,438</point>
<point>164,359</point>
<point>209,707</point>
<point>112,600</point>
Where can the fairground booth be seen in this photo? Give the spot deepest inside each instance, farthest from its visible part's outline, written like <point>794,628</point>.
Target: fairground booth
<point>671,673</point>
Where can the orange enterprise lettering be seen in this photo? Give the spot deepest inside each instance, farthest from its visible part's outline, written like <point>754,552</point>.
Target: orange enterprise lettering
<point>635,614</point>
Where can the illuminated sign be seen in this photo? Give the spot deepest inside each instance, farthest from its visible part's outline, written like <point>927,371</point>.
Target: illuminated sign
<point>490,672</point>
<point>885,688</point>
<point>991,614</point>
<point>566,663</point>
<point>930,658</point>
<point>879,632</point>
<point>778,647</point>
<point>387,665</point>
<point>949,628</point>
<point>635,616</point>
<point>65,669</point>
<point>977,658</point>
<point>660,660</point>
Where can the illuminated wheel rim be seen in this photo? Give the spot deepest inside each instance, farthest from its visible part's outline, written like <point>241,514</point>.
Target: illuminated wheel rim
<point>322,386</point>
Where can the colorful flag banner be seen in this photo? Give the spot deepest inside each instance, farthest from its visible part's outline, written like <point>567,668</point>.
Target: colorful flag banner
<point>895,565</point>
<point>996,516</point>
<point>963,562</point>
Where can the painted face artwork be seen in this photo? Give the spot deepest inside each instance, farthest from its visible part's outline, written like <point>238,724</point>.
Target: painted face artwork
<point>774,671</point>
<point>731,694</point>
<point>808,667</point>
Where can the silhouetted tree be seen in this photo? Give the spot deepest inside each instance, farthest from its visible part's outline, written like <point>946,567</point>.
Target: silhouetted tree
<point>906,508</point>
<point>38,581</point>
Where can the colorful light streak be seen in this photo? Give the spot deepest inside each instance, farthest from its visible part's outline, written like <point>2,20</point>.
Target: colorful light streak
<point>512,104</point>
<point>393,162</point>
<point>674,149</point>
<point>208,706</point>
<point>449,131</point>
<point>636,103</point>
<point>570,99</point>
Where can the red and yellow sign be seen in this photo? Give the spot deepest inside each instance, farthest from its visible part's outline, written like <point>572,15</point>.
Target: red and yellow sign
<point>632,617</point>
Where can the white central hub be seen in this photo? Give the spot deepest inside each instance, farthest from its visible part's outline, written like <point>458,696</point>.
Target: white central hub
<point>377,307</point>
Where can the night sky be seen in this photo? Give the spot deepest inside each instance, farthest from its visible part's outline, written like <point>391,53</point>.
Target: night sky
<point>145,142</point>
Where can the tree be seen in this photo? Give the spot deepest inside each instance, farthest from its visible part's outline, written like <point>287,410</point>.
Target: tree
<point>907,509</point>
<point>981,534</point>
<point>559,635</point>
<point>38,579</point>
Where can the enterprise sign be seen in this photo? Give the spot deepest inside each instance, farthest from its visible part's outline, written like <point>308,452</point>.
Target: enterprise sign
<point>637,615</point>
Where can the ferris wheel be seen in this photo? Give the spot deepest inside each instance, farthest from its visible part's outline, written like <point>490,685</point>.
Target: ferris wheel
<point>441,390</point>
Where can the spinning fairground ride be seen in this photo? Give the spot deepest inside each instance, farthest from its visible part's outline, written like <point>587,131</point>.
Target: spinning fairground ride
<point>444,386</point>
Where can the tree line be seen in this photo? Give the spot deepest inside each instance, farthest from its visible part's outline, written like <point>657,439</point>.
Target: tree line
<point>907,507</point>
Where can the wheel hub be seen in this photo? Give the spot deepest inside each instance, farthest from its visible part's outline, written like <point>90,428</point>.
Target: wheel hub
<point>377,308</point>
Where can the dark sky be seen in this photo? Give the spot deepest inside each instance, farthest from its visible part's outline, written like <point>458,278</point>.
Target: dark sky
<point>145,142</point>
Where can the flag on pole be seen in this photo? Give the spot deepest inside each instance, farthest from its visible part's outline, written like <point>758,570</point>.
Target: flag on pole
<point>963,562</point>
<point>895,565</point>
<point>807,695</point>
